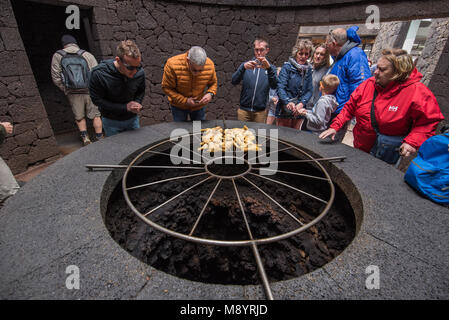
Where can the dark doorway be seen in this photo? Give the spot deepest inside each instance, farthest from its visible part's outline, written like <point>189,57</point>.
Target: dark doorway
<point>41,27</point>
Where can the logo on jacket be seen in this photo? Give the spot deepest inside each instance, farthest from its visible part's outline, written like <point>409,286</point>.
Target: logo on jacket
<point>393,108</point>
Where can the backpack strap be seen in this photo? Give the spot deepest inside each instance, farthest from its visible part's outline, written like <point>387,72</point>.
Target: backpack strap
<point>62,52</point>
<point>80,52</point>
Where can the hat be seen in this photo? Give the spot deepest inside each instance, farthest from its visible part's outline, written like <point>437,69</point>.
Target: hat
<point>66,39</point>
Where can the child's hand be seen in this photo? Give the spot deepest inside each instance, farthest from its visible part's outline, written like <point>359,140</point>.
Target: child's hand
<point>302,112</point>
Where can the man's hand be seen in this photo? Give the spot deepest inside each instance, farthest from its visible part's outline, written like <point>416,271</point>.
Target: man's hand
<point>275,99</point>
<point>191,102</point>
<point>250,65</point>
<point>8,127</point>
<point>264,63</point>
<point>206,99</point>
<point>134,107</point>
<point>405,150</point>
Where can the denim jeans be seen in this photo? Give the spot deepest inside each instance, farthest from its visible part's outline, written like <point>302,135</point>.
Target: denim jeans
<point>112,127</point>
<point>182,115</point>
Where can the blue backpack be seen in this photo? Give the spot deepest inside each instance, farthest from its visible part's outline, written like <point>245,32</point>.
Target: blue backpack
<point>429,171</point>
<point>74,70</point>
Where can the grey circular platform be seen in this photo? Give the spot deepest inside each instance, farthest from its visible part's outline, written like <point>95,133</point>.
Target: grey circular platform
<point>55,221</point>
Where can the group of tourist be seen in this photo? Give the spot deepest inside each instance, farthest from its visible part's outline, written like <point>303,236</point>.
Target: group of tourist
<point>306,93</point>
<point>394,112</point>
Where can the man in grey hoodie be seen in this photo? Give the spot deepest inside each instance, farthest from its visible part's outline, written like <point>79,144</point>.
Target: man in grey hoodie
<point>318,118</point>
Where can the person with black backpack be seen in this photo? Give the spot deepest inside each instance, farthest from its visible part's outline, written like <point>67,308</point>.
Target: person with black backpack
<point>70,70</point>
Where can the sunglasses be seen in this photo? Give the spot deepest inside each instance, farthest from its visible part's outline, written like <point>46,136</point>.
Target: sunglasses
<point>131,68</point>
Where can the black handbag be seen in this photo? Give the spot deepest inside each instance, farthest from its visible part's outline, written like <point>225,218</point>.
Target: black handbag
<point>386,147</point>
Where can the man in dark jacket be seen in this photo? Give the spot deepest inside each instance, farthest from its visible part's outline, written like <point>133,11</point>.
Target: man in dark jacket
<point>258,77</point>
<point>117,87</point>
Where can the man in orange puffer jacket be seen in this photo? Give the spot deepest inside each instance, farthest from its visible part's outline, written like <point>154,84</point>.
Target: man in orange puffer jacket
<point>190,83</point>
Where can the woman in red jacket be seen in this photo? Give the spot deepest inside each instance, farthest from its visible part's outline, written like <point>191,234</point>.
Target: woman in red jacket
<point>403,106</point>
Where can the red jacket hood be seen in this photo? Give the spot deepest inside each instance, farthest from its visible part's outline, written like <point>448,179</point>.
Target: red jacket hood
<point>395,87</point>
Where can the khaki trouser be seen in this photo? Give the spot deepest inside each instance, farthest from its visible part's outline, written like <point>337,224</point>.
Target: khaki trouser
<point>252,116</point>
<point>82,106</point>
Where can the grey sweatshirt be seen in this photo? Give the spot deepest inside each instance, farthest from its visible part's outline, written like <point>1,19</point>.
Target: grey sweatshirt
<point>318,118</point>
<point>317,75</point>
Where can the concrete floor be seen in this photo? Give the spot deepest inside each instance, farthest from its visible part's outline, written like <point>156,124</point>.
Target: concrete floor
<point>67,143</point>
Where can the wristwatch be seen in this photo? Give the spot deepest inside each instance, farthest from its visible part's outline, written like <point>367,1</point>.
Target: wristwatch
<point>212,94</point>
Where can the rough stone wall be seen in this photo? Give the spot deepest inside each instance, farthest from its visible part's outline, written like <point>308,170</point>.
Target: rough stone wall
<point>20,101</point>
<point>163,29</point>
<point>439,83</point>
<point>433,48</point>
<point>388,36</point>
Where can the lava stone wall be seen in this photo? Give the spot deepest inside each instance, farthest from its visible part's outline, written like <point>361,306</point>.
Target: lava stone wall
<point>439,83</point>
<point>163,29</point>
<point>391,35</point>
<point>20,101</point>
<point>226,29</point>
<point>434,47</point>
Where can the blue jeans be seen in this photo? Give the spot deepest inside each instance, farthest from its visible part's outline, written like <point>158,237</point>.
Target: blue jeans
<point>181,115</point>
<point>112,127</point>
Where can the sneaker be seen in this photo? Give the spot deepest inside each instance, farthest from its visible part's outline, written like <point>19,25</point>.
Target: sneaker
<point>98,138</point>
<point>86,140</point>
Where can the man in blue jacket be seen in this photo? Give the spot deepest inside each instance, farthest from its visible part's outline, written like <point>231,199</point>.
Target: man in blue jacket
<point>350,65</point>
<point>258,77</point>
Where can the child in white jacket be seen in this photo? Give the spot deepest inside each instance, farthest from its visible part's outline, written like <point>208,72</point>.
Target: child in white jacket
<point>318,118</point>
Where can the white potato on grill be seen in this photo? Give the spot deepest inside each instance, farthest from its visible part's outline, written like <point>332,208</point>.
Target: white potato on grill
<point>217,139</point>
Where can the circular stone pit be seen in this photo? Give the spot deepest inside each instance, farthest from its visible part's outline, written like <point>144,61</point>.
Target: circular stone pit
<point>58,220</point>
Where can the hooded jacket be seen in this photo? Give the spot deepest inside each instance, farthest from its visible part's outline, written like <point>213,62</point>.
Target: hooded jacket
<point>111,91</point>
<point>294,85</point>
<point>351,67</point>
<point>320,115</point>
<point>402,109</point>
<point>255,87</point>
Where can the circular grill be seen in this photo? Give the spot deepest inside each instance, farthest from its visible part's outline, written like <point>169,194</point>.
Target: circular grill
<point>245,172</point>
<point>205,170</point>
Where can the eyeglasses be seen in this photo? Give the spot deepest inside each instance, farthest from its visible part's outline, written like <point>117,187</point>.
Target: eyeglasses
<point>130,67</point>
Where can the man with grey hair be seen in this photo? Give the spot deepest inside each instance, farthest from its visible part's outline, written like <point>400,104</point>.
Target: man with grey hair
<point>350,65</point>
<point>190,83</point>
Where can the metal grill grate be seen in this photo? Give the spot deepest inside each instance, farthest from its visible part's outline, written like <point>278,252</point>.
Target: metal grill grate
<point>250,171</point>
